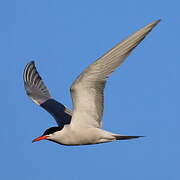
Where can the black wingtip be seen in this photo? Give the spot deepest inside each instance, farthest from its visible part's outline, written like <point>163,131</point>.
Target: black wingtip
<point>28,64</point>
<point>32,62</point>
<point>25,69</point>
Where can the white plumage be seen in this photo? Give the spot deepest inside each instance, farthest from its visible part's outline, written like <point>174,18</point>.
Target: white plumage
<point>83,124</point>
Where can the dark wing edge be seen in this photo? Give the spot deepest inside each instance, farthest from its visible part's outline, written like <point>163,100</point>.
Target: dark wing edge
<point>39,93</point>
<point>34,86</point>
<point>61,114</point>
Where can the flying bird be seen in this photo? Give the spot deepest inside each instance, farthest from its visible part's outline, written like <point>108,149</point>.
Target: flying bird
<point>83,125</point>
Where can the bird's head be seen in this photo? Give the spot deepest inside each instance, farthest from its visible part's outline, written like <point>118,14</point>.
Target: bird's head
<point>49,133</point>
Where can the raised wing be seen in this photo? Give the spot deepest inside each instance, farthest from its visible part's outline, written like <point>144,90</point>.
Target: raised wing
<point>38,92</point>
<point>87,89</point>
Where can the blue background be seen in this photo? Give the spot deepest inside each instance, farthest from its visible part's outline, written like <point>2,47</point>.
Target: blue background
<point>141,97</point>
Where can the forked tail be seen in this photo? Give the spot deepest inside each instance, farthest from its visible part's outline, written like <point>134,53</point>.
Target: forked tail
<point>123,137</point>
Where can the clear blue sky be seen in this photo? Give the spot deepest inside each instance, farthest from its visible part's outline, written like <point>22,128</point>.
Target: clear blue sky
<point>141,97</point>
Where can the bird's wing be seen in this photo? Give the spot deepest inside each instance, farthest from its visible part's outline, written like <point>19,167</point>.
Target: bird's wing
<point>87,89</point>
<point>38,92</point>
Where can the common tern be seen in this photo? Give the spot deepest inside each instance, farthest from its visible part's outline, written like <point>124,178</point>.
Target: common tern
<point>83,125</point>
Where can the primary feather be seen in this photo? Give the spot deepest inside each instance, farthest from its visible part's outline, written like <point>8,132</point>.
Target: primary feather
<point>38,92</point>
<point>87,89</point>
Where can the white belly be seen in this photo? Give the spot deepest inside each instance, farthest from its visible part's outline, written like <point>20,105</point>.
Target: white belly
<point>82,136</point>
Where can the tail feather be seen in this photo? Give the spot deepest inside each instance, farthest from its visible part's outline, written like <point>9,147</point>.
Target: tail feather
<point>123,137</point>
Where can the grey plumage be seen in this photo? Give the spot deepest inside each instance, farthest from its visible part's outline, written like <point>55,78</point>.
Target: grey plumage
<point>83,124</point>
<point>39,93</point>
<point>35,87</point>
<point>87,89</point>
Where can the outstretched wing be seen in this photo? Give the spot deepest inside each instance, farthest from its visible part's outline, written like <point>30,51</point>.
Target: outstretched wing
<point>38,92</point>
<point>87,89</point>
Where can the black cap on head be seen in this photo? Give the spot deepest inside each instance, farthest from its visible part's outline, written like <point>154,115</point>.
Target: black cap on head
<point>53,129</point>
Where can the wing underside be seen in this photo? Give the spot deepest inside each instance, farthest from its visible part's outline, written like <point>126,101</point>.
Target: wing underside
<point>87,89</point>
<point>38,92</point>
